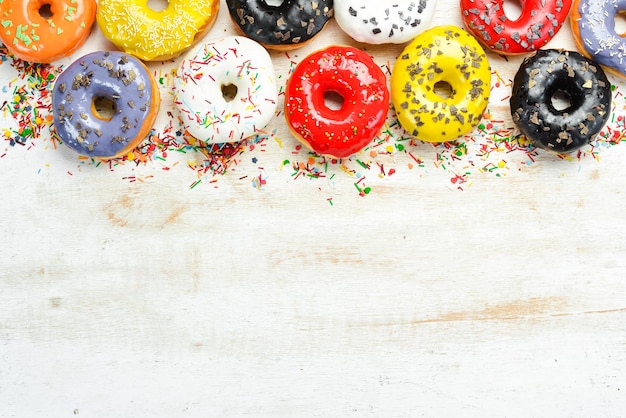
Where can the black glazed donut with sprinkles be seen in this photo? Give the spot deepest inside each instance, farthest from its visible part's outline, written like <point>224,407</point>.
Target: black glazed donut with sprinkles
<point>283,27</point>
<point>551,73</point>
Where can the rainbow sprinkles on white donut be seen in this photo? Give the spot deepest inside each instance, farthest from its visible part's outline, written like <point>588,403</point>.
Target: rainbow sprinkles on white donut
<point>380,22</point>
<point>213,72</point>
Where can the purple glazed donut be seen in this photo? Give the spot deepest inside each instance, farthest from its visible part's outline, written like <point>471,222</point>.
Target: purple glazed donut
<point>593,26</point>
<point>104,104</point>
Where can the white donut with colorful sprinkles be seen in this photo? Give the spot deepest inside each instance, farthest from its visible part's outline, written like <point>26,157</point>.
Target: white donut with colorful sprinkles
<point>225,90</point>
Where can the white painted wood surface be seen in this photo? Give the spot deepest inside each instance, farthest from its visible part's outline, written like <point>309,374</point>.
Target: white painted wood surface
<point>302,298</point>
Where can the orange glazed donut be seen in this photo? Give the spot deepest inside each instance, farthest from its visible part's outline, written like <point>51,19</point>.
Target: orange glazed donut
<point>352,75</point>
<point>45,30</point>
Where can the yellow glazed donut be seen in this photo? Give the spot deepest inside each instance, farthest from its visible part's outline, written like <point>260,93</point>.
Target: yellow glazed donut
<point>443,56</point>
<point>155,35</point>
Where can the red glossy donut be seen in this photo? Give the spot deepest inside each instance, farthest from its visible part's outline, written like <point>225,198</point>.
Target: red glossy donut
<point>349,73</point>
<point>539,21</point>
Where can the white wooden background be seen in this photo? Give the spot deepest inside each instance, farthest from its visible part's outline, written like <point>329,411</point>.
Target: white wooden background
<point>299,297</point>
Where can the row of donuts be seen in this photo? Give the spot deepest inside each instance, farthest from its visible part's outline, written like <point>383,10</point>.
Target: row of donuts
<point>225,91</point>
<point>420,110</point>
<point>46,30</point>
<point>105,103</point>
<point>430,117</point>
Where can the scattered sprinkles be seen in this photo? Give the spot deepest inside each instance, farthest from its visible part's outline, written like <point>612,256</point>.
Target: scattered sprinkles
<point>26,100</point>
<point>494,149</point>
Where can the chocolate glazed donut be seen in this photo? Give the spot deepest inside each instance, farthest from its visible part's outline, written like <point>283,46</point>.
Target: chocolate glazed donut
<point>579,80</point>
<point>282,27</point>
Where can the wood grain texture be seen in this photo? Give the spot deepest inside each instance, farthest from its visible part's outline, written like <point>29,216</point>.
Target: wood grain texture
<point>123,299</point>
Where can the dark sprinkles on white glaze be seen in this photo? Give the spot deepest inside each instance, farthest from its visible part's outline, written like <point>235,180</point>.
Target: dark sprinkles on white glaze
<point>380,22</point>
<point>574,76</point>
<point>282,27</point>
<point>116,77</point>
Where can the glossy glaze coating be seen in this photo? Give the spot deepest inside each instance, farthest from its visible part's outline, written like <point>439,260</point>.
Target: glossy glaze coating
<point>280,27</point>
<point>546,73</point>
<point>395,21</point>
<point>232,61</point>
<point>593,25</point>
<point>118,77</point>
<point>539,21</point>
<point>155,35</point>
<point>35,34</point>
<point>444,54</point>
<point>351,74</point>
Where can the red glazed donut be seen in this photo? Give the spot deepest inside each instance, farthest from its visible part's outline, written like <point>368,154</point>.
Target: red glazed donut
<point>539,22</point>
<point>349,73</point>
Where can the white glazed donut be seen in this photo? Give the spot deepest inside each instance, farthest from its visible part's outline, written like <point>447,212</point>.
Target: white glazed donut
<point>384,21</point>
<point>207,112</point>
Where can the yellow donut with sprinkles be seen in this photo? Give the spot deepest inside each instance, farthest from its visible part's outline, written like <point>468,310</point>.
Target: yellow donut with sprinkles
<point>440,84</point>
<point>155,35</point>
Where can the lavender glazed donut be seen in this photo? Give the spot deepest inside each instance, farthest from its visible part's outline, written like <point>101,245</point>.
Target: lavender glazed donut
<point>116,79</point>
<point>593,26</point>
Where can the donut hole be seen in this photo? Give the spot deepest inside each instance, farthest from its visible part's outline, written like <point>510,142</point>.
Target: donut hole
<point>45,11</point>
<point>103,108</point>
<point>273,6</point>
<point>443,89</point>
<point>620,23</point>
<point>333,100</point>
<point>229,92</point>
<point>158,5</point>
<point>512,9</point>
<point>561,100</point>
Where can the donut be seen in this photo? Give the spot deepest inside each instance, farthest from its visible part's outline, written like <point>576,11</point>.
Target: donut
<point>577,79</point>
<point>383,22</point>
<point>446,58</point>
<point>208,73</point>
<point>44,31</point>
<point>155,35</point>
<point>593,27</point>
<point>538,23</point>
<point>121,83</point>
<point>284,27</point>
<point>341,129</point>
